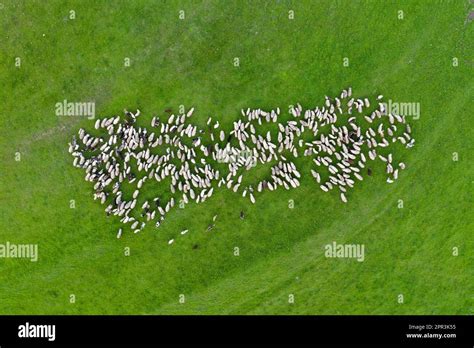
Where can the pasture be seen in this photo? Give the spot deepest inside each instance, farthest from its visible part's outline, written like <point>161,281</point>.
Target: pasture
<point>158,55</point>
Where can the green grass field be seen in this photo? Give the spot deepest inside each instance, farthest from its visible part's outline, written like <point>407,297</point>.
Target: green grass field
<point>190,61</point>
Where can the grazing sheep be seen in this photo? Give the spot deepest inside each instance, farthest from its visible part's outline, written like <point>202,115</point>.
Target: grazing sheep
<point>125,151</point>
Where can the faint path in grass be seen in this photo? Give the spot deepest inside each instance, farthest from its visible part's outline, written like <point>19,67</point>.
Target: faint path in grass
<point>46,134</point>
<point>310,250</point>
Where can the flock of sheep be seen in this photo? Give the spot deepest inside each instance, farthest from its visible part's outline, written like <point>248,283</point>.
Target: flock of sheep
<point>340,137</point>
